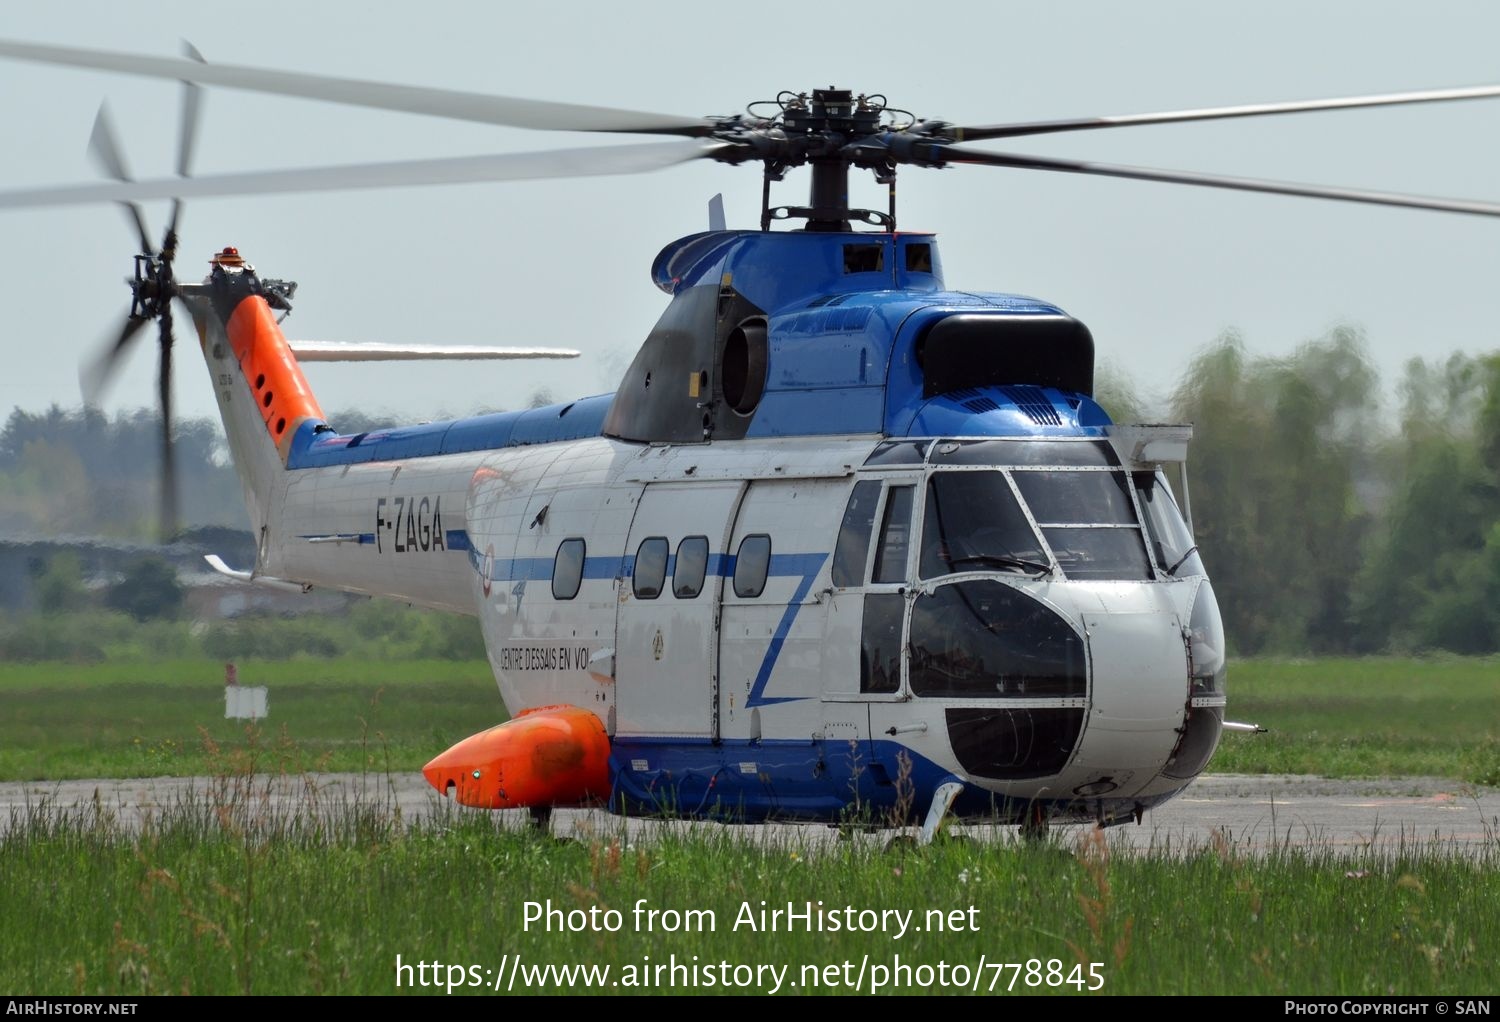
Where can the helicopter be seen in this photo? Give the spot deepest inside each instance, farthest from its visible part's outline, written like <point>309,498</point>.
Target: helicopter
<point>843,544</point>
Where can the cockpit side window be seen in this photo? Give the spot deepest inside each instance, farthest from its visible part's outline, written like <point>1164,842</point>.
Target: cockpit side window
<point>895,536</point>
<point>973,522</point>
<point>1171,543</point>
<point>880,643</point>
<point>854,535</point>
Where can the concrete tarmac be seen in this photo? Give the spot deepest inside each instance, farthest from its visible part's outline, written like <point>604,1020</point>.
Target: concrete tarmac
<point>1253,814</point>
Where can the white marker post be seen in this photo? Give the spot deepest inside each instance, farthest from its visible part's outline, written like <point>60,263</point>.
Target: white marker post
<point>240,702</point>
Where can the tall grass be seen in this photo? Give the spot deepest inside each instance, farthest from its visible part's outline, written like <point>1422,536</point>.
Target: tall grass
<point>242,889</point>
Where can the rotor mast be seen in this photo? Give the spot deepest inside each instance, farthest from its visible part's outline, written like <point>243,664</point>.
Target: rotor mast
<point>825,130</point>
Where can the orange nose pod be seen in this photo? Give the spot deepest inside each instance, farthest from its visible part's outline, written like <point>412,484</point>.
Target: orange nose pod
<point>551,755</point>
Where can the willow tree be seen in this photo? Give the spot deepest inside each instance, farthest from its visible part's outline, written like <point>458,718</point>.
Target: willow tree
<point>1433,577</point>
<point>1279,448</point>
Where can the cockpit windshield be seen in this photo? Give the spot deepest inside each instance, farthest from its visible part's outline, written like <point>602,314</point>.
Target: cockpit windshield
<point>1086,518</point>
<point>974,523</point>
<point>1089,522</point>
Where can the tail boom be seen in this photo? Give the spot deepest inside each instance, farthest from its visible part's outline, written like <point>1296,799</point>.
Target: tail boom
<point>334,527</point>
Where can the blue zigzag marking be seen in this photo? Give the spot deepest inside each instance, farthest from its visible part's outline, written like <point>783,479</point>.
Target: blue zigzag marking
<point>807,566</point>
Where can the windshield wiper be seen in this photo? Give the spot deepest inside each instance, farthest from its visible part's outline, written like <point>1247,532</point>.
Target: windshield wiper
<point>1004,561</point>
<point>1182,560</point>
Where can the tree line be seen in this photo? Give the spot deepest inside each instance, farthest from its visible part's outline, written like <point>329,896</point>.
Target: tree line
<point>1330,521</point>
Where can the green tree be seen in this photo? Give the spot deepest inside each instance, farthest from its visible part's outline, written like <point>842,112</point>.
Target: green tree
<point>59,589</point>
<point>1433,574</point>
<point>1277,452</point>
<point>148,591</point>
<point>1117,393</point>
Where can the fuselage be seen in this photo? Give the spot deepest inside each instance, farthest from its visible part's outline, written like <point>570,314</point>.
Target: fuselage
<point>818,578</point>
<point>797,627</point>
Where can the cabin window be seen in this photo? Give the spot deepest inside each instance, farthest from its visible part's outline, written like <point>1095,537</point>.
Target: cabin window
<point>691,568</point>
<point>854,535</point>
<point>751,566</point>
<point>567,569</point>
<point>650,568</point>
<point>895,535</point>
<point>919,257</point>
<point>863,258</point>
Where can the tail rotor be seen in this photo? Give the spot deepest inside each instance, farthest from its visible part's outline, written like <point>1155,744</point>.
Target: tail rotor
<point>153,288</point>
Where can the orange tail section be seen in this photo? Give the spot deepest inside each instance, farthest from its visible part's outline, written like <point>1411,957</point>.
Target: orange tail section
<point>282,397</point>
<point>262,395</point>
<point>548,756</point>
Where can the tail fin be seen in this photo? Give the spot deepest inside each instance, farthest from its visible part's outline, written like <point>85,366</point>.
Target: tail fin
<point>264,400</point>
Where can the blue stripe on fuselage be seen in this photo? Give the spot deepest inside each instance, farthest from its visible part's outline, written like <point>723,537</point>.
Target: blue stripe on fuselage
<point>805,567</point>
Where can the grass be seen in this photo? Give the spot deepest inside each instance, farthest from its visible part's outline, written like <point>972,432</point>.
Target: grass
<point>219,897</point>
<point>237,893</point>
<point>64,721</point>
<point>1366,717</point>
<point>1375,717</point>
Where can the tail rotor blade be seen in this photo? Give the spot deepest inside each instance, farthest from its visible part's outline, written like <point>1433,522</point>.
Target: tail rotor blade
<point>95,376</point>
<point>168,452</point>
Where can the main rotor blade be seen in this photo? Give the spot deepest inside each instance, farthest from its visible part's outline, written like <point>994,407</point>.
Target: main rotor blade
<point>466,106</point>
<point>95,375</point>
<point>1244,184</point>
<point>597,160</point>
<point>187,139</point>
<point>378,351</point>
<point>192,101</point>
<point>977,133</point>
<point>104,147</point>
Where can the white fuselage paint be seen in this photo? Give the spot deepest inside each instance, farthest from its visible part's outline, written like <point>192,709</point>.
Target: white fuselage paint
<point>694,666</point>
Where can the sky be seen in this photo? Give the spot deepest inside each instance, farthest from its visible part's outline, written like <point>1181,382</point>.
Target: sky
<point>1156,271</point>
